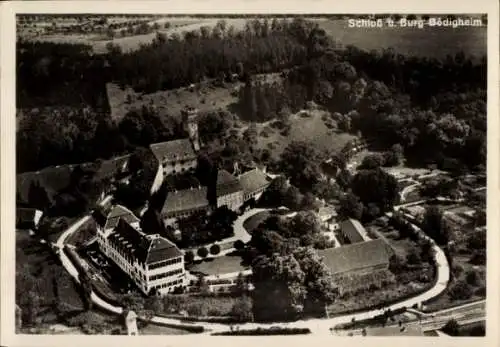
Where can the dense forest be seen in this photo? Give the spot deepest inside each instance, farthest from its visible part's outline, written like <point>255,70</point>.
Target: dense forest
<point>435,109</point>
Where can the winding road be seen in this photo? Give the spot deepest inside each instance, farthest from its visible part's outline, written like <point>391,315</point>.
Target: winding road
<point>317,326</point>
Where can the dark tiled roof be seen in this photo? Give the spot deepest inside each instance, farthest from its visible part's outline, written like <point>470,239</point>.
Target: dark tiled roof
<point>353,230</point>
<point>173,150</point>
<point>227,183</point>
<point>356,256</point>
<point>146,249</point>
<point>111,220</point>
<point>111,167</point>
<point>53,179</point>
<point>186,199</point>
<point>253,180</point>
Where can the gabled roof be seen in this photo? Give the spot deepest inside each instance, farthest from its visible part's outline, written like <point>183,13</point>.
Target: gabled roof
<point>110,220</point>
<point>186,199</point>
<point>147,249</point>
<point>111,167</point>
<point>253,180</point>
<point>356,256</point>
<point>353,230</point>
<point>227,183</point>
<point>174,150</point>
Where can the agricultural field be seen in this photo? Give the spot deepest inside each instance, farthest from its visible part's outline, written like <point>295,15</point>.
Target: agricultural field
<point>178,26</point>
<point>410,41</point>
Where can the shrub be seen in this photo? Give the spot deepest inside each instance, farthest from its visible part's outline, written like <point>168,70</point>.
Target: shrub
<point>202,252</point>
<point>473,278</point>
<point>451,327</point>
<point>239,245</point>
<point>214,249</point>
<point>457,270</point>
<point>460,291</point>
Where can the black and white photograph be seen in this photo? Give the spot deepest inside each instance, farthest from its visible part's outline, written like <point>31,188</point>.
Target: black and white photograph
<point>250,174</point>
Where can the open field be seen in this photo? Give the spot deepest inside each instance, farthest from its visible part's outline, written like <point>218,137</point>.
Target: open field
<point>170,102</point>
<point>219,265</point>
<point>410,41</point>
<point>310,129</point>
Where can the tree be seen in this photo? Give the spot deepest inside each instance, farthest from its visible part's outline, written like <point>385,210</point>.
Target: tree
<point>300,161</point>
<point>377,187</point>
<point>241,286</point>
<point>239,245</point>
<point>350,207</point>
<point>413,258</point>
<point>189,257</point>
<point>202,252</point>
<point>396,264</point>
<point>242,309</point>
<point>203,285</point>
<point>460,291</point>
<point>215,249</point>
<point>278,292</point>
<point>472,278</point>
<point>435,225</point>
<point>451,328</point>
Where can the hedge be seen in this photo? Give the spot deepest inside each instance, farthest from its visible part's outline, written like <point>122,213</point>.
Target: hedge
<point>187,327</point>
<point>261,331</point>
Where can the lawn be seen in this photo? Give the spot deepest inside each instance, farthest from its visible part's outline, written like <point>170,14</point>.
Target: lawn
<point>251,223</point>
<point>218,266</point>
<point>311,129</point>
<point>435,41</point>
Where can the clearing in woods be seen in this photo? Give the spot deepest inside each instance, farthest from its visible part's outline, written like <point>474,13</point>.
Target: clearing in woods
<point>309,127</point>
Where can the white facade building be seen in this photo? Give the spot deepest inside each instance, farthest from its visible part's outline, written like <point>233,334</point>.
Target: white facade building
<point>151,261</point>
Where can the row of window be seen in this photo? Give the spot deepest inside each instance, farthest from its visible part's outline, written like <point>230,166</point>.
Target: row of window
<point>169,284</point>
<point>179,162</point>
<point>165,263</point>
<point>166,274</point>
<point>182,214</point>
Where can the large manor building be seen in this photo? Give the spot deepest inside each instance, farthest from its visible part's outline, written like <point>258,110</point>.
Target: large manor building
<point>177,156</point>
<point>151,261</point>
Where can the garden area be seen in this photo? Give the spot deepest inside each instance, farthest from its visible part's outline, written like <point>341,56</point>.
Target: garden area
<point>49,297</point>
<point>218,266</point>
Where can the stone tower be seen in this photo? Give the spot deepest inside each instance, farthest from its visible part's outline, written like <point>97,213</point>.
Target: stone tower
<point>190,120</point>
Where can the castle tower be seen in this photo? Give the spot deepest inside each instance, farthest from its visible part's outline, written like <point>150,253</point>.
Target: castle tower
<point>190,120</point>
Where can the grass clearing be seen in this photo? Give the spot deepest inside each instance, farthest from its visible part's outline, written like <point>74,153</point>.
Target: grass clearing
<point>310,129</point>
<point>218,266</point>
<point>254,221</point>
<point>428,41</point>
<point>170,102</point>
